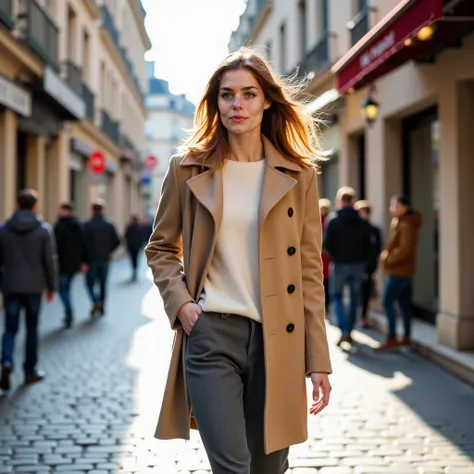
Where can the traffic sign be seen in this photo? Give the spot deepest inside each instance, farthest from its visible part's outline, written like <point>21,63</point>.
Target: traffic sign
<point>151,162</point>
<point>97,162</point>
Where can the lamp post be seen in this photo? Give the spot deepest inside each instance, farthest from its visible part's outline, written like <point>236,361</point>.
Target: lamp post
<point>370,110</point>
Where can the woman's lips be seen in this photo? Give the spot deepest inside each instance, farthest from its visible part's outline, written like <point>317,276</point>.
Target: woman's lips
<point>238,118</point>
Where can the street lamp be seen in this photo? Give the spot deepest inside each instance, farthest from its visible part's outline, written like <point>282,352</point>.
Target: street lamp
<point>370,109</point>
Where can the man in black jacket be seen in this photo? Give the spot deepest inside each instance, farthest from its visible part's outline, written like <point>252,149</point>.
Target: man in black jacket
<point>72,256</point>
<point>347,241</point>
<point>27,268</point>
<point>101,241</point>
<point>134,239</point>
<point>368,286</point>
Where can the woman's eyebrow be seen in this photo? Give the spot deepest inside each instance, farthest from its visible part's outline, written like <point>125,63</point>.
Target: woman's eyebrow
<point>242,89</point>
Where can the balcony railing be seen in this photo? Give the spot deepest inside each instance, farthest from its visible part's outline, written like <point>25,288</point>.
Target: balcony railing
<point>39,32</point>
<point>6,13</point>
<point>89,99</point>
<point>110,127</point>
<point>359,26</point>
<point>110,25</point>
<point>72,74</point>
<point>318,58</point>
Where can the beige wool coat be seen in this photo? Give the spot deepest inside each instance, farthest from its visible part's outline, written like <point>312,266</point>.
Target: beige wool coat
<point>291,284</point>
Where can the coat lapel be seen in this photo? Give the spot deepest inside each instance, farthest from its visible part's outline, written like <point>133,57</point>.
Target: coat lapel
<point>208,190</point>
<point>276,183</point>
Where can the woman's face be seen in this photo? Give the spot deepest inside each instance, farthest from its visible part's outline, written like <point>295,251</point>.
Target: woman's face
<point>241,102</point>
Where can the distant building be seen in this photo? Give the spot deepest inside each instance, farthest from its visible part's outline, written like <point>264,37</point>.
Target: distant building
<point>169,115</point>
<point>72,82</point>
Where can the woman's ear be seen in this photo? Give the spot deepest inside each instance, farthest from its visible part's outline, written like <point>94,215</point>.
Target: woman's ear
<point>267,105</point>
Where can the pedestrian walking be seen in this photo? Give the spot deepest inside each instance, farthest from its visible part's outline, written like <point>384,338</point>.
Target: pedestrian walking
<point>347,242</point>
<point>27,269</point>
<point>101,241</point>
<point>399,262</point>
<point>368,286</point>
<point>134,242</point>
<point>325,210</point>
<point>72,256</point>
<point>236,255</point>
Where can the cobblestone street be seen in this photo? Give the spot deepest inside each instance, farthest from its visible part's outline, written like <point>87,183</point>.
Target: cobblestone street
<point>96,410</point>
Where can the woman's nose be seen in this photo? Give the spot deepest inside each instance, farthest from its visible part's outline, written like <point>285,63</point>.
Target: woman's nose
<point>237,102</point>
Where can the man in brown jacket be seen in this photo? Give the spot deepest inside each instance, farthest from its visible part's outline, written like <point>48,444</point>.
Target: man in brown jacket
<point>399,261</point>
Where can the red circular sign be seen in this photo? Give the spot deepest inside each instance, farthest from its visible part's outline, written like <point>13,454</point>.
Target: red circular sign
<point>151,162</point>
<point>97,162</point>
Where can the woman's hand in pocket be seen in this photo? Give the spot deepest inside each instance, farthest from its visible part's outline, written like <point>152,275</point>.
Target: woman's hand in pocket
<point>188,315</point>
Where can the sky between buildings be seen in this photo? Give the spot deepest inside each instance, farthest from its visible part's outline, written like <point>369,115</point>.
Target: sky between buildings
<point>190,38</point>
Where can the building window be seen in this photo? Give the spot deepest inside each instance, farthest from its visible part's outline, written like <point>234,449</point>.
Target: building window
<point>302,21</point>
<point>175,130</point>
<point>282,48</point>
<point>268,50</point>
<point>86,57</point>
<point>71,34</point>
<point>324,15</point>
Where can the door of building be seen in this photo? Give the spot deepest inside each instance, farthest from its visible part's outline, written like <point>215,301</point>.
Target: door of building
<point>421,185</point>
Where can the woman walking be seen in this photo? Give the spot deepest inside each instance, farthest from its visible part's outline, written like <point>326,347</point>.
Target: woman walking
<point>236,255</point>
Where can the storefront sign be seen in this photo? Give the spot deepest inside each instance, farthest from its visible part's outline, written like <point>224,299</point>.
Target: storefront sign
<point>376,53</point>
<point>151,162</point>
<point>377,49</point>
<point>97,162</point>
<point>14,97</point>
<point>63,94</point>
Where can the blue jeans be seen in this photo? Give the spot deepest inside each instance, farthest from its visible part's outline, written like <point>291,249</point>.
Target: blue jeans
<point>31,303</point>
<point>65,293</point>
<point>97,273</point>
<point>398,289</point>
<point>351,275</point>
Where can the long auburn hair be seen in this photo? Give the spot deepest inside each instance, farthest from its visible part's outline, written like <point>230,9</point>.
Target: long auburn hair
<point>287,124</point>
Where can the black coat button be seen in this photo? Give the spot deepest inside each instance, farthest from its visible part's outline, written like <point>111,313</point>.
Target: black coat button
<point>291,250</point>
<point>290,327</point>
<point>291,289</point>
<point>290,211</point>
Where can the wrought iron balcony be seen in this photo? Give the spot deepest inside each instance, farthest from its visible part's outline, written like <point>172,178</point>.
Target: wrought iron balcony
<point>72,74</point>
<point>39,31</point>
<point>89,99</point>
<point>109,24</point>
<point>110,127</point>
<point>359,26</point>
<point>6,13</point>
<point>318,58</point>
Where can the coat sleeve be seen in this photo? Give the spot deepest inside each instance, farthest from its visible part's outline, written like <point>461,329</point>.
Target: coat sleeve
<point>50,259</point>
<point>328,238</point>
<point>164,250</point>
<point>405,249</point>
<point>317,350</point>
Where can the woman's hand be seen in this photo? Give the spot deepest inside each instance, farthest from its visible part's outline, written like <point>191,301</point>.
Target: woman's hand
<point>321,392</point>
<point>188,315</point>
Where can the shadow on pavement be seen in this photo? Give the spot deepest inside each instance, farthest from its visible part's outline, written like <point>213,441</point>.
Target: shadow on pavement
<point>440,400</point>
<point>82,417</point>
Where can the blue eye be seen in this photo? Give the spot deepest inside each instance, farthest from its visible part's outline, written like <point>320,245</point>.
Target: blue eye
<point>249,95</point>
<point>226,95</point>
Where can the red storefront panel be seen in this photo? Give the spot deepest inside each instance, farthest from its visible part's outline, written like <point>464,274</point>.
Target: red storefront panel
<point>383,47</point>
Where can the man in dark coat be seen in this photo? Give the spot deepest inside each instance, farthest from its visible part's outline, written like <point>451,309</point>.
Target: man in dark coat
<point>134,242</point>
<point>347,242</point>
<point>368,286</point>
<point>72,256</point>
<point>101,241</point>
<point>27,269</point>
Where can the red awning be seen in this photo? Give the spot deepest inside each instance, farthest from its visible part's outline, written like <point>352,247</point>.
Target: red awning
<point>384,47</point>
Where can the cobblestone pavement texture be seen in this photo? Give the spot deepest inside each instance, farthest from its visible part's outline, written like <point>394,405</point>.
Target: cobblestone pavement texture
<point>96,411</point>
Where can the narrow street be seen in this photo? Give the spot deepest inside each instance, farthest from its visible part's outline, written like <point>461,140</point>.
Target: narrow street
<point>97,409</point>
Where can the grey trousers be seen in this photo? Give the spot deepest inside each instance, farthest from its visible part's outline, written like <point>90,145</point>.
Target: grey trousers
<point>225,369</point>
